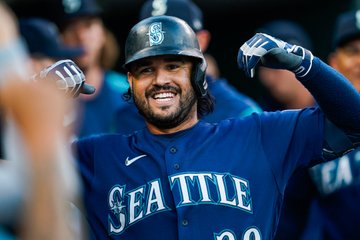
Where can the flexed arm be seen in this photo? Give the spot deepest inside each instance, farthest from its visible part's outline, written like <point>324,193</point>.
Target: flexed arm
<point>335,95</point>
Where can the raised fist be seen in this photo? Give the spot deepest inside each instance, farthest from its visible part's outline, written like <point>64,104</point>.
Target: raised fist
<point>273,53</point>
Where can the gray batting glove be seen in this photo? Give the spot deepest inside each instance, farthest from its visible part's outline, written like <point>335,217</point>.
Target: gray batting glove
<point>67,77</point>
<point>273,53</point>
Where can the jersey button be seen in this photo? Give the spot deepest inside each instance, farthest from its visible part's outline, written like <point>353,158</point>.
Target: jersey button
<point>184,222</point>
<point>173,150</point>
<point>176,166</point>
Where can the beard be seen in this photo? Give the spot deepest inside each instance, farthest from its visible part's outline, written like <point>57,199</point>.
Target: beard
<point>167,121</point>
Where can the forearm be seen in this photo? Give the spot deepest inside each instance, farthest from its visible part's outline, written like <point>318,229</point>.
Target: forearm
<point>338,99</point>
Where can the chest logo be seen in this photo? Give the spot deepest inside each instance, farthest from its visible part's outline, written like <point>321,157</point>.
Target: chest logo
<point>129,161</point>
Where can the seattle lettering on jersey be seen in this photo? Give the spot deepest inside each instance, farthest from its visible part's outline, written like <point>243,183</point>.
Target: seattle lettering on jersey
<point>127,208</point>
<point>337,174</point>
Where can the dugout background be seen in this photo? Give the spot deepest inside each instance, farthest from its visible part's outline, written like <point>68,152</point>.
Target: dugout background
<point>231,22</point>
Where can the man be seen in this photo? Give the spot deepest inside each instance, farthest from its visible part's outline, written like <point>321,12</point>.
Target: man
<point>81,25</point>
<point>182,178</point>
<point>338,181</point>
<point>228,101</point>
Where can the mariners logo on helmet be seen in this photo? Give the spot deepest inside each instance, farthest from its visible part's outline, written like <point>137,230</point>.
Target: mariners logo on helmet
<point>71,6</point>
<point>156,34</point>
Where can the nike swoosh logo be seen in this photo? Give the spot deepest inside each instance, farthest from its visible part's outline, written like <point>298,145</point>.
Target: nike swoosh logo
<point>130,161</point>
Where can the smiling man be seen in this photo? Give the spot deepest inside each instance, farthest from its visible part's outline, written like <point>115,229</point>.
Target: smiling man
<point>183,178</point>
<point>164,96</point>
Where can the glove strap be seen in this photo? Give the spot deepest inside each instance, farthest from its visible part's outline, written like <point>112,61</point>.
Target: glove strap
<point>307,60</point>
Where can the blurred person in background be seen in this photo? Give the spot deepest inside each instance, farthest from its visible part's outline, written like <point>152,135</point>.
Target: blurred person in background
<point>81,25</point>
<point>45,47</point>
<point>229,102</point>
<point>37,179</point>
<point>335,213</point>
<point>313,197</point>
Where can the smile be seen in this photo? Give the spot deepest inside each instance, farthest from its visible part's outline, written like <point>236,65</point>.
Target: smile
<point>164,96</point>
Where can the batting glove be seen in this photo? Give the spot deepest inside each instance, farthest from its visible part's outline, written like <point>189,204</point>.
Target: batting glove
<point>273,53</point>
<point>68,77</point>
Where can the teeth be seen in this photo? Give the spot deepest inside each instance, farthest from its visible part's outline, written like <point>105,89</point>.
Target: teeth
<point>164,95</point>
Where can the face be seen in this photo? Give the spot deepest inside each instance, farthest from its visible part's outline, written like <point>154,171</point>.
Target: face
<point>162,90</point>
<point>346,60</point>
<point>280,83</point>
<point>87,32</point>
<point>285,88</point>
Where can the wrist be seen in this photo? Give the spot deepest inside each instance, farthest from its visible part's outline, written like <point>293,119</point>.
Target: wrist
<point>313,71</point>
<point>306,64</point>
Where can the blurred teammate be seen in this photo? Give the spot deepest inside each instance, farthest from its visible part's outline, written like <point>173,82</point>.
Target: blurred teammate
<point>81,25</point>
<point>228,101</point>
<point>336,211</point>
<point>45,47</point>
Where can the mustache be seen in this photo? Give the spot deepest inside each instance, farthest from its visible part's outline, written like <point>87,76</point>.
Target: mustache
<point>157,88</point>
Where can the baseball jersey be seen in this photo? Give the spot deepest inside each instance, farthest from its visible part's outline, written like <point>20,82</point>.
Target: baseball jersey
<point>335,210</point>
<point>212,181</point>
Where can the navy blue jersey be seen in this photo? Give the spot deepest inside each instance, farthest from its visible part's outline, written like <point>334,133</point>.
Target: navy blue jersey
<point>338,184</point>
<point>212,181</point>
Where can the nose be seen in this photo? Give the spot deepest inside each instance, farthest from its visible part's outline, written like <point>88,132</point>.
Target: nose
<point>161,77</point>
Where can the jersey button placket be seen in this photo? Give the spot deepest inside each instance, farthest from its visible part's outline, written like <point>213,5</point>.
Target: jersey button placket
<point>173,150</point>
<point>176,166</point>
<point>185,222</point>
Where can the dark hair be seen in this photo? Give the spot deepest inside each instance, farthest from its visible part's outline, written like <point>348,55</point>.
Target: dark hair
<point>205,103</point>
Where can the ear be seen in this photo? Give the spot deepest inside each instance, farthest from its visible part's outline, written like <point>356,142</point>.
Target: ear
<point>129,78</point>
<point>204,38</point>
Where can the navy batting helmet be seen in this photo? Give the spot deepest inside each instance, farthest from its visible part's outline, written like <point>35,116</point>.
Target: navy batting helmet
<point>166,35</point>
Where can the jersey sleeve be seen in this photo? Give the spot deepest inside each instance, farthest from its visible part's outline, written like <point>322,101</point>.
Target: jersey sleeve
<point>292,139</point>
<point>83,150</point>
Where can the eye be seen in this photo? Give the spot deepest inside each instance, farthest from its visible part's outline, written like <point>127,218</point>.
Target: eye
<point>145,70</point>
<point>173,66</point>
<point>351,51</point>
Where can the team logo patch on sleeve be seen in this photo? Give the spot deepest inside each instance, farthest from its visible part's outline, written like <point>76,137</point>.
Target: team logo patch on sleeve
<point>156,34</point>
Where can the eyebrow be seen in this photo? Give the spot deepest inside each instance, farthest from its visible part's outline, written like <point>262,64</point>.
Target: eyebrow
<point>147,62</point>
